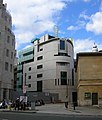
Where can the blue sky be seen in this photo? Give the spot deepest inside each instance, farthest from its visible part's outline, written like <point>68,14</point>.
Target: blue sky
<point>80,20</point>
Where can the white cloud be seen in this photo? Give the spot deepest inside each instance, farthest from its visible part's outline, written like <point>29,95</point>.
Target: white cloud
<point>83,45</point>
<point>73,28</point>
<point>95,24</point>
<point>86,0</point>
<point>33,17</point>
<point>84,15</point>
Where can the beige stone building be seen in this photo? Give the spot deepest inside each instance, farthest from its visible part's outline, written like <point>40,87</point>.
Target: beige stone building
<point>7,53</point>
<point>52,70</point>
<point>89,76</point>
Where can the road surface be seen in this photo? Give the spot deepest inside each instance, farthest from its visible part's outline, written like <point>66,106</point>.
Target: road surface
<point>44,116</point>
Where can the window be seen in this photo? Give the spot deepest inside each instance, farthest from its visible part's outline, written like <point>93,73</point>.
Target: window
<point>39,86</point>
<point>20,86</point>
<point>29,68</point>
<point>39,66</point>
<point>58,81</point>
<point>62,45</point>
<point>63,78</point>
<point>10,67</point>
<point>17,79</point>
<point>7,52</point>
<point>87,95</point>
<point>8,39</point>
<point>29,77</point>
<point>40,57</point>
<point>62,63</point>
<point>29,85</point>
<point>28,53</point>
<point>11,55</point>
<point>62,54</point>
<point>41,49</point>
<point>55,81</point>
<point>6,66</point>
<point>39,75</point>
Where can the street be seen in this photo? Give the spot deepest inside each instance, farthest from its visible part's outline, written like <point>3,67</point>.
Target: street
<point>44,116</point>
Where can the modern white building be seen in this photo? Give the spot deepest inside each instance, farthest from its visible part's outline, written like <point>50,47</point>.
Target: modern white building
<point>7,53</point>
<point>52,70</point>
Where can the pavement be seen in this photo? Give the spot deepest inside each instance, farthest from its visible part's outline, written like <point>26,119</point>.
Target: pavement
<point>60,109</point>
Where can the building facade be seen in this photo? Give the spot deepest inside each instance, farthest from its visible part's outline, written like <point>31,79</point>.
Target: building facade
<point>7,53</point>
<point>25,56</point>
<point>89,76</point>
<point>52,70</point>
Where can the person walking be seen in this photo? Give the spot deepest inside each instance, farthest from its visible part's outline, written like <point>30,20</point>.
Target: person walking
<point>66,102</point>
<point>17,103</point>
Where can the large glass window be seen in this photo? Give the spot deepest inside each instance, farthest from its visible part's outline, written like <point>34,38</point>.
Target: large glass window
<point>63,78</point>
<point>28,53</point>
<point>62,45</point>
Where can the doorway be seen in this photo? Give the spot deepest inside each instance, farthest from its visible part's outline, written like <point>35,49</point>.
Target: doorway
<point>74,98</point>
<point>39,86</point>
<point>94,98</point>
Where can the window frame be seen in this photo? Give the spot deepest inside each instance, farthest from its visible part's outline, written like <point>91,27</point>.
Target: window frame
<point>62,45</point>
<point>40,58</point>
<point>6,66</point>
<point>39,66</point>
<point>63,77</point>
<point>39,75</point>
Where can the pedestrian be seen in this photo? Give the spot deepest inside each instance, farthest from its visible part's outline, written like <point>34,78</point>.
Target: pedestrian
<point>17,103</point>
<point>3,104</point>
<point>66,102</point>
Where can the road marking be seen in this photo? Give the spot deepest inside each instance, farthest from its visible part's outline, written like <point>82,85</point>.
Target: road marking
<point>4,119</point>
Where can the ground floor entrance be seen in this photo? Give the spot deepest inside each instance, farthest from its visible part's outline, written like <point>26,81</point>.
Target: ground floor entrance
<point>94,98</point>
<point>74,98</point>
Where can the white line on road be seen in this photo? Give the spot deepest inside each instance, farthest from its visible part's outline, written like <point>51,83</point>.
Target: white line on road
<point>4,119</point>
